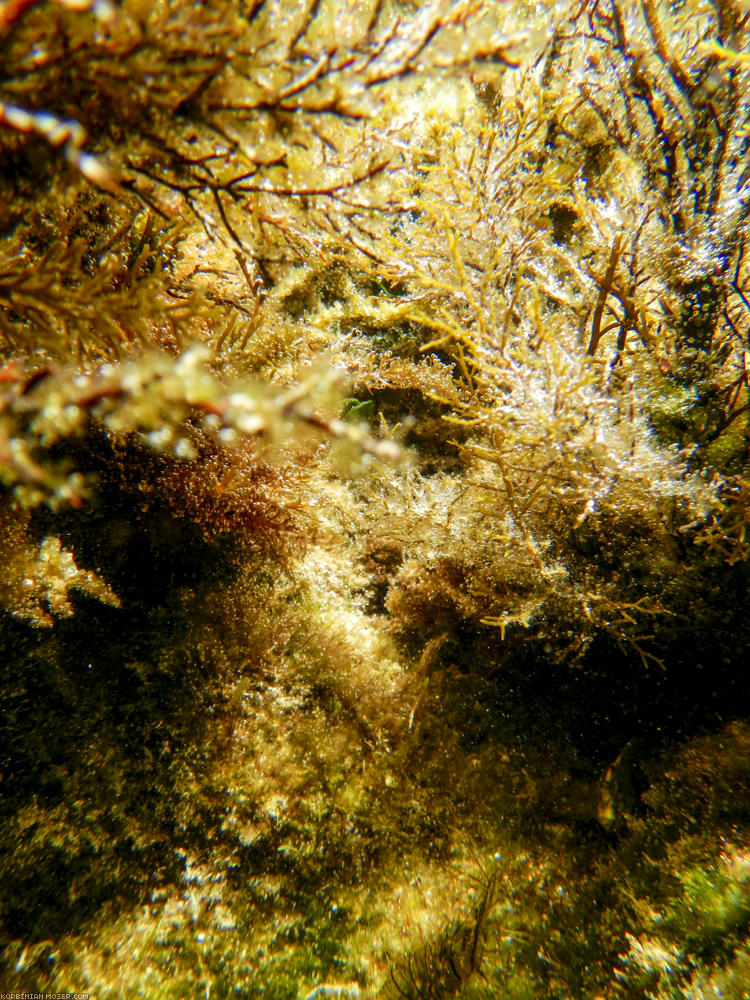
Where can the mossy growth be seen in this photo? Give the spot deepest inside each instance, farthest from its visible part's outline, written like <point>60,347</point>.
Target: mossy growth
<point>374,484</point>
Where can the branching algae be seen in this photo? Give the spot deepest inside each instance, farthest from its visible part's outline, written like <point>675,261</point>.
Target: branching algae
<point>374,441</point>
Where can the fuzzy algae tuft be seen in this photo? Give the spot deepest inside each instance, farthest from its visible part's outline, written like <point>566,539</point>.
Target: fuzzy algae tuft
<point>374,443</point>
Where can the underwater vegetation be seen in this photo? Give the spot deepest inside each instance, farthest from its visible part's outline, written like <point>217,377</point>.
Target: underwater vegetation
<point>374,477</point>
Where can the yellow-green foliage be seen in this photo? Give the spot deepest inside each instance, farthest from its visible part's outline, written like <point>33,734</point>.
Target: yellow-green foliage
<point>373,476</point>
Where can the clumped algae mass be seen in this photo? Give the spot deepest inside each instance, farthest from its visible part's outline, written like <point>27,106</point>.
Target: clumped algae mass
<point>374,438</point>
